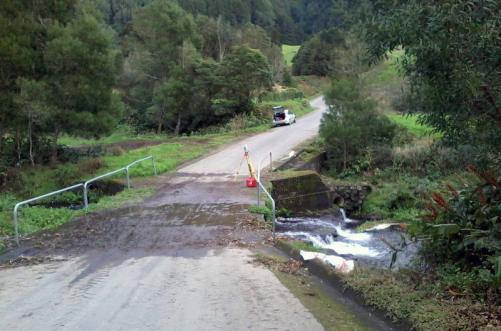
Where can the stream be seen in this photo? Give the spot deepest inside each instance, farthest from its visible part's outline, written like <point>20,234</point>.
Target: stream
<point>336,236</point>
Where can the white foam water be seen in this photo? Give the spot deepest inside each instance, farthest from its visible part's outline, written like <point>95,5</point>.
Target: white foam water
<point>340,247</point>
<point>351,235</point>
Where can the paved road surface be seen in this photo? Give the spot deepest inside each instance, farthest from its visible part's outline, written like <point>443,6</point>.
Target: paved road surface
<point>179,261</point>
<point>280,141</point>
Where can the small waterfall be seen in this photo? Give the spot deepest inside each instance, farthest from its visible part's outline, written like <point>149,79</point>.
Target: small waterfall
<point>336,237</point>
<point>343,213</point>
<point>345,218</point>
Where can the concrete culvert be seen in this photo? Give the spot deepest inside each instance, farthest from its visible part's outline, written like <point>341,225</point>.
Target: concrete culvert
<point>338,201</point>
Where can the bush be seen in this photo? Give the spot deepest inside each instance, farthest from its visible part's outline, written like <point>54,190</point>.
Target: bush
<point>245,121</point>
<point>290,93</point>
<point>464,228</point>
<point>90,166</point>
<point>352,125</point>
<point>116,151</point>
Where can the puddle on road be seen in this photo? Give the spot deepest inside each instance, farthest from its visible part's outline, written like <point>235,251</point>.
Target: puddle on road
<point>334,235</point>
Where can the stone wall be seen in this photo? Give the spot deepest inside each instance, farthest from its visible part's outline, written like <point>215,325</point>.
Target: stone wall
<point>350,197</point>
<point>303,191</point>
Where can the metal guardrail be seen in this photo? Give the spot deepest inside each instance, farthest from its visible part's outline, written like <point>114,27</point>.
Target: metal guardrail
<point>19,204</point>
<point>273,208</point>
<point>86,184</point>
<point>85,190</point>
<point>259,176</point>
<point>137,162</point>
<point>261,186</point>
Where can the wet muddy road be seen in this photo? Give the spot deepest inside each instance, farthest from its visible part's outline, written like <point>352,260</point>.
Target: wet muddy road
<point>178,261</point>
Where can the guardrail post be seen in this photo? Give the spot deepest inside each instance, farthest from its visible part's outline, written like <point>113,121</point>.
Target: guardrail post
<point>86,198</point>
<point>273,218</point>
<point>16,226</point>
<point>258,196</point>
<point>128,177</point>
<point>154,165</point>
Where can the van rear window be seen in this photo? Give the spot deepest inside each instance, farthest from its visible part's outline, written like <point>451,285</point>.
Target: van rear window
<point>279,116</point>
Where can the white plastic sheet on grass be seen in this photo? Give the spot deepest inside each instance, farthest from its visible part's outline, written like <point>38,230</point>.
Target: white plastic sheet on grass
<point>341,264</point>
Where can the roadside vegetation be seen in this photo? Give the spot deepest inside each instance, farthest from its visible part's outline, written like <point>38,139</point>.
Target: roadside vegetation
<point>219,81</point>
<point>419,125</point>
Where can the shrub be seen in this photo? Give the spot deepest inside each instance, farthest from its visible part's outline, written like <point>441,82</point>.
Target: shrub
<point>116,151</point>
<point>245,121</point>
<point>464,228</point>
<point>287,94</point>
<point>66,175</point>
<point>90,166</point>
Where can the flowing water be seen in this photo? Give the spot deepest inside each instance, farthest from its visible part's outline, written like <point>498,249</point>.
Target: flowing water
<point>336,235</point>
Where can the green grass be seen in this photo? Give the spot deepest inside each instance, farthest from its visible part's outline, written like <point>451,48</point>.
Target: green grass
<point>395,200</point>
<point>289,52</point>
<point>262,210</point>
<point>402,298</point>
<point>121,134</point>
<point>167,156</point>
<point>33,219</point>
<point>386,72</point>
<point>411,123</point>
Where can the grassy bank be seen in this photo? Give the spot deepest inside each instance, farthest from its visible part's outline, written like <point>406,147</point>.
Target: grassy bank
<point>43,179</point>
<point>120,135</point>
<point>421,300</point>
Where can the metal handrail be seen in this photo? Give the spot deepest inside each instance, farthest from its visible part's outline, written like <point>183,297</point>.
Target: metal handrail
<point>85,190</point>
<point>19,204</point>
<point>86,184</point>
<point>259,176</point>
<point>136,162</point>
<point>273,211</point>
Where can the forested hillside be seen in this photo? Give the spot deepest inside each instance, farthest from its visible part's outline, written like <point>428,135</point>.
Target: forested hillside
<point>286,21</point>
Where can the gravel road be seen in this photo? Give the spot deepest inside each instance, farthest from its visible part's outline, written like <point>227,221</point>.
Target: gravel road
<point>178,261</point>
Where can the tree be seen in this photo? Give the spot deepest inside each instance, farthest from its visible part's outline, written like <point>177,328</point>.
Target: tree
<point>160,34</point>
<point>352,125</point>
<point>81,69</point>
<point>58,62</point>
<point>246,75</point>
<point>319,55</point>
<point>452,61</point>
<point>256,37</point>
<point>32,102</point>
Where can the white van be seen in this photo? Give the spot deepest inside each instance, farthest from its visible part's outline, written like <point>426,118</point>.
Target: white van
<point>282,116</point>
